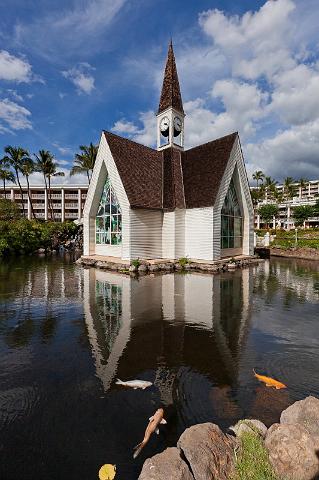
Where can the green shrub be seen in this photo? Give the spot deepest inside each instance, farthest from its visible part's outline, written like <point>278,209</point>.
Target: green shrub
<point>26,236</point>
<point>8,210</point>
<point>136,262</point>
<point>183,261</point>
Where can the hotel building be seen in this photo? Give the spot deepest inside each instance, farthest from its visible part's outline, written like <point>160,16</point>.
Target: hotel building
<point>67,201</point>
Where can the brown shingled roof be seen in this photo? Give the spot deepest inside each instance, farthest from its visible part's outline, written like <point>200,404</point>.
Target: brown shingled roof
<point>171,93</point>
<point>140,169</point>
<point>171,178</point>
<point>203,170</point>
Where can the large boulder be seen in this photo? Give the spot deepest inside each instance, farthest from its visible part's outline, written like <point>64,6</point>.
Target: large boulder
<point>209,452</point>
<point>305,413</point>
<point>292,452</point>
<point>167,465</point>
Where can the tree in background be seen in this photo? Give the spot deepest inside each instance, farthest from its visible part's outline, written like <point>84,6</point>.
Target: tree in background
<point>289,188</point>
<point>84,161</point>
<point>303,182</point>
<point>51,171</point>
<point>27,168</point>
<point>8,210</point>
<point>5,174</point>
<point>268,212</point>
<point>258,176</point>
<point>302,213</point>
<point>270,186</point>
<point>15,158</point>
<point>46,165</point>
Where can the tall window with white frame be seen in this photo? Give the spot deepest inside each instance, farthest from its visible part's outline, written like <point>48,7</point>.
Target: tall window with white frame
<point>231,220</point>
<point>108,218</point>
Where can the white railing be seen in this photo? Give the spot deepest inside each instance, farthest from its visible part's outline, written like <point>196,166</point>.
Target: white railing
<point>71,205</point>
<point>71,196</point>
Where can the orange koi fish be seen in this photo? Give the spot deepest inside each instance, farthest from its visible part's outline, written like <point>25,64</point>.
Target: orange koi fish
<point>270,382</point>
<point>151,428</point>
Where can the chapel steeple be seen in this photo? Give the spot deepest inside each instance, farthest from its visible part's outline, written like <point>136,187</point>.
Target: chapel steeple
<point>170,115</point>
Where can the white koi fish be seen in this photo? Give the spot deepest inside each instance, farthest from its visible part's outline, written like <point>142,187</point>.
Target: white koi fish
<point>151,428</point>
<point>134,384</point>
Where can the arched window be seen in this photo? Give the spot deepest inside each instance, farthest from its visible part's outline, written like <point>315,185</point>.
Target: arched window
<point>231,220</point>
<point>108,218</point>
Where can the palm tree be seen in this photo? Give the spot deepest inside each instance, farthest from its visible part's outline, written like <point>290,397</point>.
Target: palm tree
<point>5,174</point>
<point>46,165</point>
<point>41,165</point>
<point>15,157</point>
<point>303,182</point>
<point>270,185</point>
<point>289,188</point>
<point>289,191</point>
<point>84,161</point>
<point>51,171</point>
<point>258,176</point>
<point>27,168</point>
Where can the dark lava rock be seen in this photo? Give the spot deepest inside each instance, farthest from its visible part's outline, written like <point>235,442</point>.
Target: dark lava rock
<point>292,452</point>
<point>167,465</point>
<point>209,452</point>
<point>305,413</point>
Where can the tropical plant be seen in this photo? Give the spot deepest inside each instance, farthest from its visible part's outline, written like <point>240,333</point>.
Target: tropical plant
<point>8,210</point>
<point>5,175</point>
<point>27,168</point>
<point>302,213</point>
<point>270,186</point>
<point>303,182</point>
<point>84,161</point>
<point>289,188</point>
<point>46,165</point>
<point>268,212</point>
<point>258,176</point>
<point>15,158</point>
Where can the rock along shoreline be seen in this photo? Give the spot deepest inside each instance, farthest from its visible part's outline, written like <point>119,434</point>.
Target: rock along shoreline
<point>143,267</point>
<point>204,452</point>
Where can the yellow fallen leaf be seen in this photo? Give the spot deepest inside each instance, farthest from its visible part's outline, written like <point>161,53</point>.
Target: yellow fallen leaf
<point>107,472</point>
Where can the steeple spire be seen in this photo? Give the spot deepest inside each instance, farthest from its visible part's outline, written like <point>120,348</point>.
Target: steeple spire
<point>171,94</point>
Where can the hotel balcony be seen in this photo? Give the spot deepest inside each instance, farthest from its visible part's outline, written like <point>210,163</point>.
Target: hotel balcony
<point>71,196</point>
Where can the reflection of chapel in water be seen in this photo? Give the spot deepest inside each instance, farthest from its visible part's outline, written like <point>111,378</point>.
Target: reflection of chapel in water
<point>164,322</point>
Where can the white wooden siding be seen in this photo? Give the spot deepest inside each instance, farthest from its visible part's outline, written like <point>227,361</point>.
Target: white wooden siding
<point>105,165</point>
<point>146,233</point>
<point>168,235</point>
<point>199,233</point>
<point>173,234</point>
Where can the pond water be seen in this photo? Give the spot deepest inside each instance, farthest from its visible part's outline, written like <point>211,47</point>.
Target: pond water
<point>67,333</point>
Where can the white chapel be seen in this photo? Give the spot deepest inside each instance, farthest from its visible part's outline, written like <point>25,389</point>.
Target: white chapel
<point>168,202</point>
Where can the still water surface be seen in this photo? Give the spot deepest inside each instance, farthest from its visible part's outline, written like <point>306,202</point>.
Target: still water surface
<point>67,333</point>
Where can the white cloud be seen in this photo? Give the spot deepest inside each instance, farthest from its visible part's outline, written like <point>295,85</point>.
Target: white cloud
<point>123,126</point>
<point>13,116</point>
<point>292,152</point>
<point>63,150</point>
<point>14,94</point>
<point>144,134</point>
<point>257,43</point>
<point>295,98</point>
<point>14,69</point>
<point>81,77</point>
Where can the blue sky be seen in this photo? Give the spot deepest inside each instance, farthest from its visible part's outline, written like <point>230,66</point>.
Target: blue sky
<point>69,69</point>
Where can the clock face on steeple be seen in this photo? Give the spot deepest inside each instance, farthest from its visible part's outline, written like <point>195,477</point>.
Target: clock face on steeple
<point>164,126</point>
<point>177,126</point>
